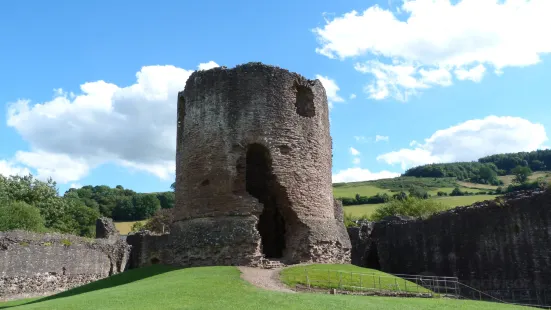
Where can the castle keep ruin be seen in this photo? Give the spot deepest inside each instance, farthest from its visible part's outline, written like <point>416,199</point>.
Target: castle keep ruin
<point>253,171</point>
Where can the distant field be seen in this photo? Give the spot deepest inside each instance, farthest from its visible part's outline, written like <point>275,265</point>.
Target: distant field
<point>508,179</point>
<point>125,227</point>
<point>456,201</point>
<point>449,201</point>
<point>477,186</point>
<point>351,189</point>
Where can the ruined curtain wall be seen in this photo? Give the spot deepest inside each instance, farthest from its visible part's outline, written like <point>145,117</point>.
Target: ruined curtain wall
<point>34,264</point>
<point>491,246</point>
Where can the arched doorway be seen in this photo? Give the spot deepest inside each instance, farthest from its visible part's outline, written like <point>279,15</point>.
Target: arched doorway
<point>261,184</point>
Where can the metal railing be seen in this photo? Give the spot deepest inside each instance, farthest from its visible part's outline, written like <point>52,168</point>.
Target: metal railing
<point>361,282</point>
<point>376,283</point>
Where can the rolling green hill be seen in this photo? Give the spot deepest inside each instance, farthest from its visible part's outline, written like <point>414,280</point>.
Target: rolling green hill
<point>160,287</point>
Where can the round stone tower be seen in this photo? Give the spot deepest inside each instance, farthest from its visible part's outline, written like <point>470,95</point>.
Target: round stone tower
<point>253,171</point>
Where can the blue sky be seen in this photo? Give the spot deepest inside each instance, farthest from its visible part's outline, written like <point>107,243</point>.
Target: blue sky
<point>88,89</point>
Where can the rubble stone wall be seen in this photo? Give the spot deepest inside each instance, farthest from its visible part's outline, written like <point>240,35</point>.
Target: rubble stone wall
<point>33,264</point>
<point>498,246</point>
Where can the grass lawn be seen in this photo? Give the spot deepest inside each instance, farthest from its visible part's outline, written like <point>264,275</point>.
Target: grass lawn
<point>348,277</point>
<point>159,287</point>
<point>449,201</point>
<point>125,227</point>
<point>351,189</point>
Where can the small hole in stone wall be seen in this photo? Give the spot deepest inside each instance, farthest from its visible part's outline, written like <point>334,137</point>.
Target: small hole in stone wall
<point>284,149</point>
<point>155,261</point>
<point>205,182</point>
<point>304,101</point>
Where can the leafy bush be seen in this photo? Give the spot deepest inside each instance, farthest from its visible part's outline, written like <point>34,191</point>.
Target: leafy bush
<point>160,222</point>
<point>20,215</point>
<point>350,220</point>
<point>137,226</point>
<point>412,206</point>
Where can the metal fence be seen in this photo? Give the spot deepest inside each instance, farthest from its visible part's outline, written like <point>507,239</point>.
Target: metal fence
<point>407,285</point>
<point>374,282</point>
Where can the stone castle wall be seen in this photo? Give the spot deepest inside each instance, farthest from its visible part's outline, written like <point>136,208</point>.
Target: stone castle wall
<point>254,122</point>
<point>33,264</point>
<point>500,247</point>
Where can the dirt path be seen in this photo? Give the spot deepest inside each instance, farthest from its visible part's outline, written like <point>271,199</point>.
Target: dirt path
<point>267,279</point>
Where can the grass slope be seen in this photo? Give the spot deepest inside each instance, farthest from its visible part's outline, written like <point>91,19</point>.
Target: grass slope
<point>159,287</point>
<point>349,277</point>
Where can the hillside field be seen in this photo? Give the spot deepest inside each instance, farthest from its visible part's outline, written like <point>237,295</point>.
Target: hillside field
<point>431,185</point>
<point>161,287</point>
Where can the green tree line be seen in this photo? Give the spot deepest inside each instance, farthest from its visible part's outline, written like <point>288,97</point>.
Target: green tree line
<point>486,169</point>
<point>122,204</point>
<point>34,205</point>
<point>484,173</point>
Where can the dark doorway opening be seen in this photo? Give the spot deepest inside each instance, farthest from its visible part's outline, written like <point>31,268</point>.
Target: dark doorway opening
<point>262,184</point>
<point>372,259</point>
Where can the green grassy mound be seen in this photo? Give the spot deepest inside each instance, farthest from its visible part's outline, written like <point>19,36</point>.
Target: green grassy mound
<point>347,277</point>
<point>160,287</point>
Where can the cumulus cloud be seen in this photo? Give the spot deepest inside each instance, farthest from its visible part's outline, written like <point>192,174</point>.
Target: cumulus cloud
<point>471,140</point>
<point>381,138</point>
<point>9,168</point>
<point>423,43</point>
<point>207,65</point>
<point>359,174</point>
<point>331,89</point>
<point>356,161</point>
<point>133,126</point>
<point>352,96</point>
<point>353,151</point>
<point>75,185</point>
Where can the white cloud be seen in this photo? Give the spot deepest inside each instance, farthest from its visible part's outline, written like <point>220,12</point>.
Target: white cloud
<point>356,161</point>
<point>60,167</point>
<point>354,152</point>
<point>360,139</point>
<point>359,174</point>
<point>331,89</point>
<point>75,185</point>
<point>207,65</point>
<point>471,140</point>
<point>133,126</point>
<point>420,44</point>
<point>352,96</point>
<point>9,168</point>
<point>381,138</point>
<point>474,74</point>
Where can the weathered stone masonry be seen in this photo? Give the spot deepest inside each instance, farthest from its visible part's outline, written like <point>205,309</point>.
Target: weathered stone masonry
<point>501,247</point>
<point>253,169</point>
<point>34,264</point>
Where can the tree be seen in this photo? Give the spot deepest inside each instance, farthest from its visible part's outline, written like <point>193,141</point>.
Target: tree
<point>457,192</point>
<point>20,215</point>
<point>521,174</point>
<point>413,206</point>
<point>418,192</point>
<point>486,173</point>
<point>145,205</point>
<point>166,199</point>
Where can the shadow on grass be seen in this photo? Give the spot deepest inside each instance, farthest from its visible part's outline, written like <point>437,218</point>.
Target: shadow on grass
<point>112,281</point>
